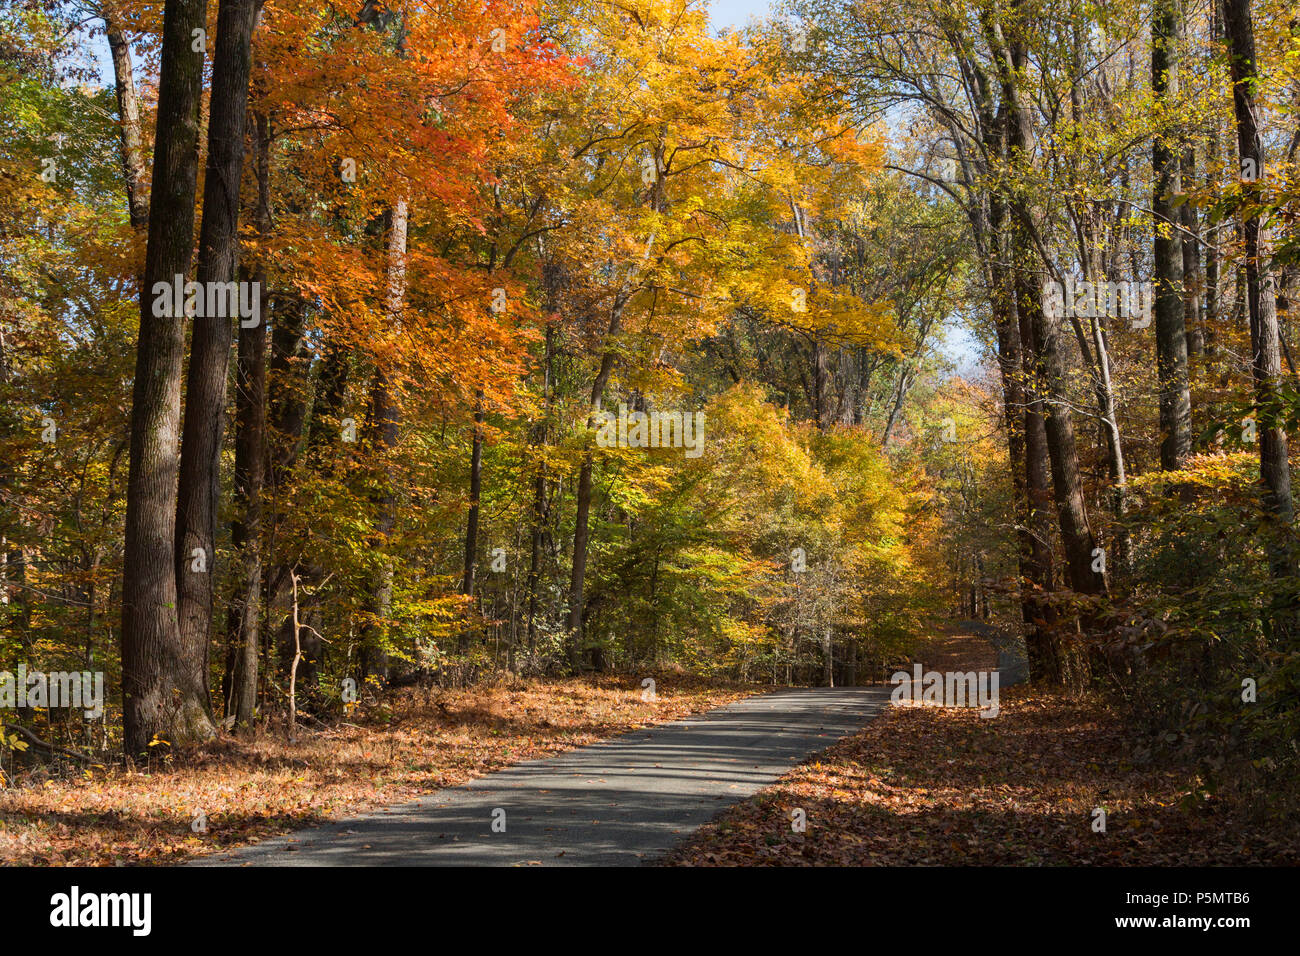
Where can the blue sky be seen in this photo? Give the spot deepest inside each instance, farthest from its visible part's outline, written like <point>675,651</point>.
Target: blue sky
<point>734,13</point>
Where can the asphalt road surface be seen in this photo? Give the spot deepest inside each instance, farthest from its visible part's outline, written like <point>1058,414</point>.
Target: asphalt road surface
<point>613,803</point>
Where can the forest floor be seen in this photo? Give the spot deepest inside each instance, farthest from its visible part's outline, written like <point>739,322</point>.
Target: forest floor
<point>943,786</point>
<point>411,743</point>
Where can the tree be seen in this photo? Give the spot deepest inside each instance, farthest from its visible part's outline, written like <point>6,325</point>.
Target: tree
<point>205,403</point>
<point>1170,319</point>
<point>128,112</point>
<point>165,682</point>
<point>244,620</point>
<point>1266,362</point>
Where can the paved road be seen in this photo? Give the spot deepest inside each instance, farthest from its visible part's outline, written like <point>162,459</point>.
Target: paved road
<point>613,803</point>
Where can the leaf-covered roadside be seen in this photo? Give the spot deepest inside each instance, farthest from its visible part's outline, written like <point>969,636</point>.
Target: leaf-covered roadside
<point>408,744</point>
<point>935,786</point>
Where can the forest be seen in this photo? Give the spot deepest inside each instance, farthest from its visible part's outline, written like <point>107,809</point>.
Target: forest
<point>353,350</point>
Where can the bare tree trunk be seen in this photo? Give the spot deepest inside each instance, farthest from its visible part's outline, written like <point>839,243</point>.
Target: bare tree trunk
<point>577,579</point>
<point>1266,365</point>
<point>475,489</point>
<point>250,469</point>
<point>205,397</point>
<point>1213,268</point>
<point>164,684</point>
<point>1212,262</point>
<point>1040,342</point>
<point>1038,486</point>
<point>128,112</point>
<point>535,556</point>
<point>539,497</point>
<point>385,418</point>
<point>821,382</point>
<point>1026,436</point>
<point>1193,272</point>
<point>471,522</point>
<point>1170,321</point>
<point>1072,514</point>
<point>583,508</point>
<point>1027,454</point>
<point>1107,410</point>
<point>289,389</point>
<point>246,531</point>
<point>297,656</point>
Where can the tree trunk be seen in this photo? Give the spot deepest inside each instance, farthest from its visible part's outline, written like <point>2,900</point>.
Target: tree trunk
<point>1213,231</point>
<point>1058,422</point>
<point>1094,268</point>
<point>1193,273</point>
<point>539,496</point>
<point>577,580</point>
<point>209,369</point>
<point>583,506</point>
<point>128,112</point>
<point>471,522</point>
<point>1027,456</point>
<point>1026,438</point>
<point>290,368</point>
<point>385,418</point>
<point>1266,365</point>
<point>288,397</point>
<point>1170,320</point>
<point>250,469</point>
<point>246,531</point>
<point>164,684</point>
<point>288,389</point>
<point>1041,345</point>
<point>1043,647</point>
<point>475,489</point>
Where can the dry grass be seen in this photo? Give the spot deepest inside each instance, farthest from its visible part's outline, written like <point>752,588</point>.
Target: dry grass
<point>410,744</point>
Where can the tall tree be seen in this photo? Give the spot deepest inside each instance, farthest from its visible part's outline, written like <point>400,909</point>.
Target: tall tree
<point>244,626</point>
<point>475,490</point>
<point>1170,318</point>
<point>164,685</point>
<point>209,368</point>
<point>1266,363</point>
<point>1040,337</point>
<point>385,419</point>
